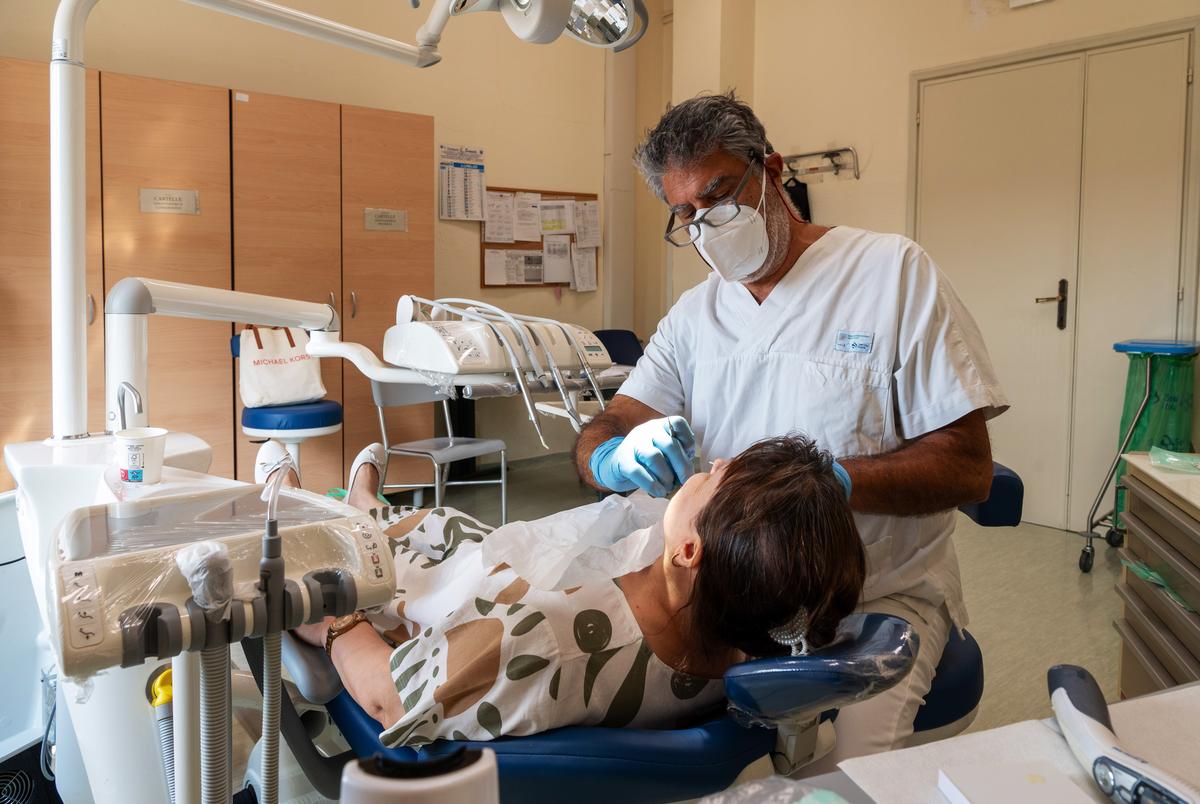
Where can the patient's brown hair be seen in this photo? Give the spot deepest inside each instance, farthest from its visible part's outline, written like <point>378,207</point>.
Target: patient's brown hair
<point>777,535</point>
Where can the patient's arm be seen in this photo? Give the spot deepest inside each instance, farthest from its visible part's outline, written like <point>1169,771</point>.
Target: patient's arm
<point>362,661</point>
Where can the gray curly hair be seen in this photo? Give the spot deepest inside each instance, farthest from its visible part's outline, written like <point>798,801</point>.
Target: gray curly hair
<point>696,129</point>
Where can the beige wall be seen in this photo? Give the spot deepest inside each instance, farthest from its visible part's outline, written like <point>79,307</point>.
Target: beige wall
<point>538,110</point>
<point>831,73</point>
<point>653,95</point>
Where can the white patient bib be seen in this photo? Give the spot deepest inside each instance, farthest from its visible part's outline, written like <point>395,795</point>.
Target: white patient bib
<point>589,544</point>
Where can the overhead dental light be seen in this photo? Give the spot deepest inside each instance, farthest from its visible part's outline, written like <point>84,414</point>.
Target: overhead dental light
<point>615,24</point>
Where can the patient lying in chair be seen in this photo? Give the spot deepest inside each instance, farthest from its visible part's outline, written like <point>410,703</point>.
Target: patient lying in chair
<point>757,557</point>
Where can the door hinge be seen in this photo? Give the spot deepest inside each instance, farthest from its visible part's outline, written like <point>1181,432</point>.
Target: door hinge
<point>1179,295</point>
<point>919,114</point>
<point>1190,74</point>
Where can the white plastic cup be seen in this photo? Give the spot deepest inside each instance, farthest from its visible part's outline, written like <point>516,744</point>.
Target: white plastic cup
<point>140,454</point>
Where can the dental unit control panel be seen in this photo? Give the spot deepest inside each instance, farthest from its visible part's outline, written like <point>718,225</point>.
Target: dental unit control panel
<point>122,597</point>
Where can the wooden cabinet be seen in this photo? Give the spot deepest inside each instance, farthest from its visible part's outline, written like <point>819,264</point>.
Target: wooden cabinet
<point>25,254</point>
<point>281,184</point>
<point>287,234</point>
<point>169,135</point>
<point>387,161</point>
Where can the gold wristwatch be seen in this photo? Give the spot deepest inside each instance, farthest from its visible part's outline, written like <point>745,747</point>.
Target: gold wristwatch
<point>341,625</point>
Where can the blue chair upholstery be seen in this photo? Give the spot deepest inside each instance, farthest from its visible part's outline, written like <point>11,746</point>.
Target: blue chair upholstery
<point>598,766</point>
<point>647,765</point>
<point>623,346</point>
<point>957,685</point>
<point>305,416</point>
<point>1003,506</point>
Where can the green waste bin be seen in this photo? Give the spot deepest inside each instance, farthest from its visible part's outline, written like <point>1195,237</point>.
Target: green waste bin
<point>1167,420</point>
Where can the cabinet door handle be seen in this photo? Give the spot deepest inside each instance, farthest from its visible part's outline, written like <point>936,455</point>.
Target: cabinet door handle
<point>91,309</point>
<point>353,304</point>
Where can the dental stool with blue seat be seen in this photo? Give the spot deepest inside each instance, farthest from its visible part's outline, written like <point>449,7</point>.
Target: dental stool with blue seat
<point>774,708</point>
<point>290,425</point>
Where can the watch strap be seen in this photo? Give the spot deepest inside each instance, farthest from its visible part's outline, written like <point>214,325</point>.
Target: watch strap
<point>340,626</point>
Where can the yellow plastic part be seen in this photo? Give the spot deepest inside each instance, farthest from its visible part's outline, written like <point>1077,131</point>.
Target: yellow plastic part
<point>160,690</point>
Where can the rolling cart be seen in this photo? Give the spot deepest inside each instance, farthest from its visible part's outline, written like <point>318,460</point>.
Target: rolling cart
<point>1161,372</point>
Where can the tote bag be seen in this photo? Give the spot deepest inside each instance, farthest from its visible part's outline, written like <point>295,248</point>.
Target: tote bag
<point>275,368</point>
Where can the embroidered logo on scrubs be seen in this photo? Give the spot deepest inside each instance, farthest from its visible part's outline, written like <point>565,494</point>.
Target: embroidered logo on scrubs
<point>857,342</point>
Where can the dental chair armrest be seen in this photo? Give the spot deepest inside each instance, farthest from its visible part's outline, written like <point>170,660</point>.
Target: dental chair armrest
<point>1004,502</point>
<point>311,669</point>
<point>872,653</point>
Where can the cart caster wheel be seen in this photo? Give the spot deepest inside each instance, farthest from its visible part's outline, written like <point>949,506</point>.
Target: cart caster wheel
<point>1086,557</point>
<point>1114,537</point>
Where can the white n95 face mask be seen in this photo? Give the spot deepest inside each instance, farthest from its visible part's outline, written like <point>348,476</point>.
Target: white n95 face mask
<point>739,248</point>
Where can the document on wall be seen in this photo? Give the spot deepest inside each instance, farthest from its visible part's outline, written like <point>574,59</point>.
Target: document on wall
<point>587,224</point>
<point>583,261</point>
<point>498,223</point>
<point>494,270</point>
<point>460,173</point>
<point>557,264</point>
<point>512,267</point>
<point>558,216</point>
<point>527,217</point>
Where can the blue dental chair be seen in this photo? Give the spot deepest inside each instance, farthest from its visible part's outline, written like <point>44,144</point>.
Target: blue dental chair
<point>874,652</point>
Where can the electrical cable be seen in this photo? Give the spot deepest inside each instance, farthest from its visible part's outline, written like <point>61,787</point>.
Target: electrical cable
<point>13,561</point>
<point>44,757</point>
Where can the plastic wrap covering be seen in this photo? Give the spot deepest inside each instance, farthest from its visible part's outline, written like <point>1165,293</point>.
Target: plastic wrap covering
<point>133,580</point>
<point>774,790</point>
<point>443,382</point>
<point>871,654</point>
<point>590,544</point>
<point>489,389</point>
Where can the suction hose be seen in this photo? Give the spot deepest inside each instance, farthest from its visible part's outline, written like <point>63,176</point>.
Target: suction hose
<point>214,725</point>
<point>270,730</point>
<point>161,699</point>
<point>209,573</point>
<point>270,584</point>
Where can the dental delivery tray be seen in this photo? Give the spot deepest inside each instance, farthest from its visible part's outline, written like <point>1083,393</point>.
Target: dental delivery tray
<point>119,596</point>
<point>476,347</point>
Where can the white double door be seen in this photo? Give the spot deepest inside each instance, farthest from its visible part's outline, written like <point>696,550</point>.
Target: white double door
<point>1066,168</point>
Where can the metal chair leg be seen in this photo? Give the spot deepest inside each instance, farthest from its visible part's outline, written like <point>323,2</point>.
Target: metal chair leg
<point>503,489</point>
<point>438,488</point>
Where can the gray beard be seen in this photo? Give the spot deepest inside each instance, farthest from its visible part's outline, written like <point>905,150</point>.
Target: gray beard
<point>779,237</point>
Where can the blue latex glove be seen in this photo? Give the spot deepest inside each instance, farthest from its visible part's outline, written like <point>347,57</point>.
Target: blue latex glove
<point>655,457</point>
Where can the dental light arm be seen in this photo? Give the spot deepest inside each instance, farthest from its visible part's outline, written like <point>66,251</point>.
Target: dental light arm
<point>424,54</point>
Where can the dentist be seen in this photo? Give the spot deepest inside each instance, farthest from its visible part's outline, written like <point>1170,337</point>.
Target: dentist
<point>852,337</point>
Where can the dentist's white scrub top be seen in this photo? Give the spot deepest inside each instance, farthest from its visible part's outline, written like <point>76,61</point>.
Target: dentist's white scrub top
<point>862,345</point>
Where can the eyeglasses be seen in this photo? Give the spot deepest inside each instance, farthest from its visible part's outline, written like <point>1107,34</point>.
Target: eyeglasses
<point>718,214</point>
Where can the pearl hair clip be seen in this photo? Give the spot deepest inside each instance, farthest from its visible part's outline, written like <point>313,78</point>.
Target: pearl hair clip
<point>793,633</point>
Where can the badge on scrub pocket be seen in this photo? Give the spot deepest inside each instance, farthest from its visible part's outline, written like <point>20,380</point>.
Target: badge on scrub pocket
<point>857,342</point>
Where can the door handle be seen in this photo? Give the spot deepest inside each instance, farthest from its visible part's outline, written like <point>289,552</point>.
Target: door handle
<point>91,309</point>
<point>1060,299</point>
<point>354,304</point>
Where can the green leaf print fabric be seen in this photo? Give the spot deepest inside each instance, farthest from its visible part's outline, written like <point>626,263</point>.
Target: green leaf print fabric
<point>481,654</point>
